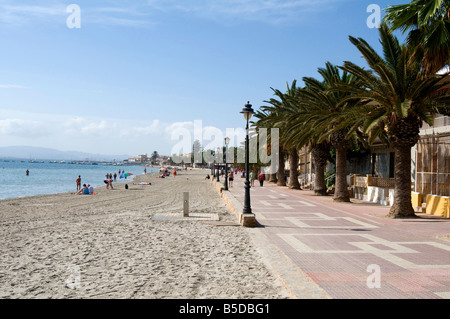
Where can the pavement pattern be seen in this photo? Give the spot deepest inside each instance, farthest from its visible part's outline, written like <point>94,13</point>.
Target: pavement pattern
<point>322,249</point>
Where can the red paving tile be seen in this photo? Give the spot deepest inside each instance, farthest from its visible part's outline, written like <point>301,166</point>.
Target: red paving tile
<point>335,243</point>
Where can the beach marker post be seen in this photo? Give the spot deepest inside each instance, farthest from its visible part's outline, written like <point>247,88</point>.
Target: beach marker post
<point>185,204</point>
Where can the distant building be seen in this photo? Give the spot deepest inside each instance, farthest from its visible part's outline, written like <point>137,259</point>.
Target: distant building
<point>143,158</point>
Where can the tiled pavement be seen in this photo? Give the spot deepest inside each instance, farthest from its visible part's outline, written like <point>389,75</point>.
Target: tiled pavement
<point>347,250</point>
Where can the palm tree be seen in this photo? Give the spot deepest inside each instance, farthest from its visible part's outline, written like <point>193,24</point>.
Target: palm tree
<point>271,117</point>
<point>275,115</point>
<point>315,122</point>
<point>397,99</point>
<point>265,120</point>
<point>428,23</point>
<point>154,157</point>
<point>300,133</point>
<point>281,109</point>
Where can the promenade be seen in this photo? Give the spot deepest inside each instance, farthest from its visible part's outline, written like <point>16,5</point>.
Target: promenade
<point>321,249</point>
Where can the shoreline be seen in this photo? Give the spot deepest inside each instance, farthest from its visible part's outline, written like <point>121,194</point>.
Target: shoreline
<point>120,182</point>
<point>116,248</point>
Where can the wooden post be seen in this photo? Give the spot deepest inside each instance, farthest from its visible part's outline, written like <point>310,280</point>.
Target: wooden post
<point>186,204</point>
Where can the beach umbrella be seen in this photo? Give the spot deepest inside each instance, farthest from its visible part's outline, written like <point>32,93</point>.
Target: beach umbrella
<point>125,175</point>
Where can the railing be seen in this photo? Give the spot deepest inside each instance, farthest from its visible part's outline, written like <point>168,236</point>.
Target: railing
<point>365,181</point>
<point>383,182</point>
<point>360,181</point>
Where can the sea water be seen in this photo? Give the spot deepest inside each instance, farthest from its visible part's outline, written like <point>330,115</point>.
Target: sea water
<point>49,177</point>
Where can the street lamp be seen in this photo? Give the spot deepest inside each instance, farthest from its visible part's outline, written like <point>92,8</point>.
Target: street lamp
<point>218,165</point>
<point>213,167</point>
<point>227,140</point>
<point>247,111</point>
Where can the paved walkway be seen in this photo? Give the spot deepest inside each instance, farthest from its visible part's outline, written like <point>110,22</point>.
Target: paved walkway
<point>321,249</point>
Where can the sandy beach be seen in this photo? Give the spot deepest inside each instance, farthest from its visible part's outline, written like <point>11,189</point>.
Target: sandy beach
<point>130,244</point>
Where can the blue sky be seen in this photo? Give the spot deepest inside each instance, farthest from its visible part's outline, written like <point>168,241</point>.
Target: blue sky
<point>136,70</point>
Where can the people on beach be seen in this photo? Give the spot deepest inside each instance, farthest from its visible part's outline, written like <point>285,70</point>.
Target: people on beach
<point>27,172</point>
<point>83,191</point>
<point>91,189</point>
<point>115,176</point>
<point>108,183</point>
<point>230,178</point>
<point>261,179</point>
<point>78,181</point>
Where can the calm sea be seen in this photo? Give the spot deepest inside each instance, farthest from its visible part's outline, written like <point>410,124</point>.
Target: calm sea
<point>51,178</point>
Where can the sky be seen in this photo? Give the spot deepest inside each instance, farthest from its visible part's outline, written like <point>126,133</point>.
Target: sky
<point>133,77</point>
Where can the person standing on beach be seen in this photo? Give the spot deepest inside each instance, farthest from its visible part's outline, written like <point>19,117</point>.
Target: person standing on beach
<point>78,181</point>
<point>108,183</point>
<point>115,176</point>
<point>27,172</point>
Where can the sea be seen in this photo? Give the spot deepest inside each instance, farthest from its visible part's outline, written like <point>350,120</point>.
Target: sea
<point>51,177</point>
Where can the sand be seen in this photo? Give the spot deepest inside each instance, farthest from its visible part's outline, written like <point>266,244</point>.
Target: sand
<point>130,244</point>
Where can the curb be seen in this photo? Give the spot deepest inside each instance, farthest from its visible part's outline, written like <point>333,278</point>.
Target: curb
<point>291,278</point>
<point>246,220</point>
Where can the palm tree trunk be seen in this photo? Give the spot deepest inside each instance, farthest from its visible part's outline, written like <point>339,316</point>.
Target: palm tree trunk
<point>281,170</point>
<point>402,207</point>
<point>341,193</point>
<point>293,169</point>
<point>403,135</point>
<point>320,154</point>
<point>339,142</point>
<point>273,178</point>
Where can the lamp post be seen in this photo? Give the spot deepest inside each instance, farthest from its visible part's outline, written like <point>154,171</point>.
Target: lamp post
<point>213,167</point>
<point>247,111</point>
<point>218,166</point>
<point>227,140</point>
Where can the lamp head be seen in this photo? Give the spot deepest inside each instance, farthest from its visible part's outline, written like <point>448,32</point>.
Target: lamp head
<point>247,111</point>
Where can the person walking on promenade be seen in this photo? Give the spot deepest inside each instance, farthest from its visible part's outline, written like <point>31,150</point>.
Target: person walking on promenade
<point>261,179</point>
<point>230,179</point>
<point>252,178</point>
<point>78,181</point>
